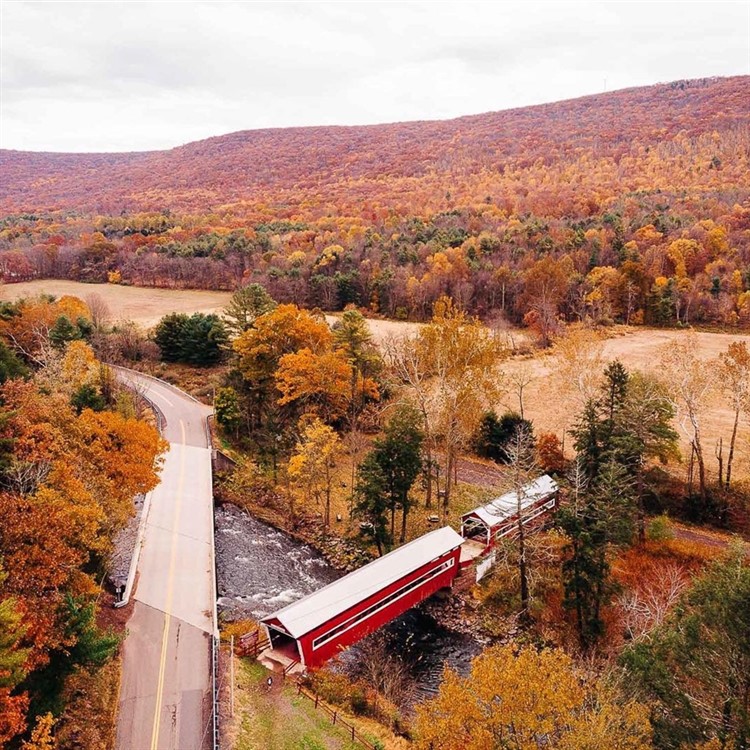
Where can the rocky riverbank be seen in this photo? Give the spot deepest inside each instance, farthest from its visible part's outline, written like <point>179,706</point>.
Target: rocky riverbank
<point>124,547</point>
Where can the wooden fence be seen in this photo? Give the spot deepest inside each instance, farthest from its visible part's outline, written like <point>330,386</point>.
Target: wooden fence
<point>252,643</point>
<point>336,719</point>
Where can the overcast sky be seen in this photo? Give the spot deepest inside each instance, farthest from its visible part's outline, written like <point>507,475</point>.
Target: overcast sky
<point>122,76</point>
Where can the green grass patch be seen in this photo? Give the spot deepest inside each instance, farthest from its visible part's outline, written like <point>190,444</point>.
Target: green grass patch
<point>279,719</point>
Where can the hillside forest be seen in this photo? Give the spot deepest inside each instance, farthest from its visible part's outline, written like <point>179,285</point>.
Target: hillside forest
<point>625,207</point>
<point>612,624</point>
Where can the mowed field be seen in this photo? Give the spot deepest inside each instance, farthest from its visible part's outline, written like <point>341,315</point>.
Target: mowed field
<point>548,401</point>
<point>553,406</point>
<point>142,305</point>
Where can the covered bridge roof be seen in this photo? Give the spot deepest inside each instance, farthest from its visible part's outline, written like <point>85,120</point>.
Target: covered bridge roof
<point>314,610</point>
<point>504,507</point>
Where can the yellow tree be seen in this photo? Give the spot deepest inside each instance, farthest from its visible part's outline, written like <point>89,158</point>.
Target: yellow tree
<point>41,737</point>
<point>75,368</point>
<point>545,286</point>
<point>690,381</point>
<point>285,330</point>
<point>604,298</point>
<point>79,365</point>
<point>312,463</point>
<point>451,368</point>
<point>12,667</point>
<point>29,330</point>
<point>282,331</point>
<point>119,458</point>
<point>463,357</point>
<point>526,700</point>
<point>321,383</point>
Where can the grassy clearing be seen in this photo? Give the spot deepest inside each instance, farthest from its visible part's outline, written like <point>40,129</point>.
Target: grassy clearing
<point>141,305</point>
<point>555,409</point>
<point>279,719</point>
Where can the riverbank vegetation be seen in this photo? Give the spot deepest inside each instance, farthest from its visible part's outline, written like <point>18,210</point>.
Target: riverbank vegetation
<point>73,455</point>
<point>364,451</point>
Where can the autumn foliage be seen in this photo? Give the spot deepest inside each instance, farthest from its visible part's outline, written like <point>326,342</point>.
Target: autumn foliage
<point>290,356</point>
<point>527,699</point>
<point>68,477</point>
<point>629,206</point>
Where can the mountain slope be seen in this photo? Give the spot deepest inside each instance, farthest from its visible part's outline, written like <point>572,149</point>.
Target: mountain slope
<point>679,135</point>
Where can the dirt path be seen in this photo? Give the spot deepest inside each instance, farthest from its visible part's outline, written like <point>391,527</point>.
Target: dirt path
<point>706,537</point>
<point>276,719</point>
<point>479,473</point>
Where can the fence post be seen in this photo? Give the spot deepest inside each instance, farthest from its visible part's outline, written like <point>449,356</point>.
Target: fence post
<point>215,646</point>
<point>231,676</point>
<point>316,700</point>
<point>334,716</point>
<point>352,733</point>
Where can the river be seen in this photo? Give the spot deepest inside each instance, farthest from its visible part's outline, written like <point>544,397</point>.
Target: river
<point>261,569</point>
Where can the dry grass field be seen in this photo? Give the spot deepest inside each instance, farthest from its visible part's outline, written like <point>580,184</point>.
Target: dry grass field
<point>146,305</point>
<point>142,305</point>
<point>547,401</point>
<point>552,406</point>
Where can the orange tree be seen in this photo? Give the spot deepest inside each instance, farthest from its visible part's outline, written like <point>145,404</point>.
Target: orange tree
<point>68,484</point>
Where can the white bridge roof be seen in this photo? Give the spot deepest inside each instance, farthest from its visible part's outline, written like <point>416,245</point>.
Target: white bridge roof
<point>315,609</point>
<point>506,506</point>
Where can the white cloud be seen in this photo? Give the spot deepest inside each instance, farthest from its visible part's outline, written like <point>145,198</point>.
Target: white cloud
<point>106,76</point>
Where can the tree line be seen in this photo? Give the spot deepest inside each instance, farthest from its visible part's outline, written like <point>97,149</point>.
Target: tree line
<point>644,265</point>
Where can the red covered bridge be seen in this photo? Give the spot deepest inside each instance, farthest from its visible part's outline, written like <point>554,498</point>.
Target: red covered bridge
<point>315,628</point>
<point>499,518</point>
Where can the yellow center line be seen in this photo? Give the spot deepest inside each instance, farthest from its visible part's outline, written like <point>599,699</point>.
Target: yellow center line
<point>170,594</point>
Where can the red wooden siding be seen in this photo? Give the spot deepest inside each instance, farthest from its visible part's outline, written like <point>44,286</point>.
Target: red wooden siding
<point>326,641</point>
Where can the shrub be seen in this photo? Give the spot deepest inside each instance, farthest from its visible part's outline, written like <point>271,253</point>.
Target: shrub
<point>659,529</point>
<point>549,453</point>
<point>494,434</point>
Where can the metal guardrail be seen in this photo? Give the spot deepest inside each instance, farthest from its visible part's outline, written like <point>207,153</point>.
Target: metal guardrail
<point>209,437</point>
<point>215,692</point>
<point>148,376</point>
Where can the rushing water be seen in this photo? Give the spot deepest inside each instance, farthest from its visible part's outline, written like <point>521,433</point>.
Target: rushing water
<point>261,569</point>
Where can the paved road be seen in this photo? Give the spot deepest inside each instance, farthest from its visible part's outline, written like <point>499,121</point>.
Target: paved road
<point>165,691</point>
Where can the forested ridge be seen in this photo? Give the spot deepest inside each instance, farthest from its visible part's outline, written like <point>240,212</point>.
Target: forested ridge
<point>627,206</point>
<point>607,130</point>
